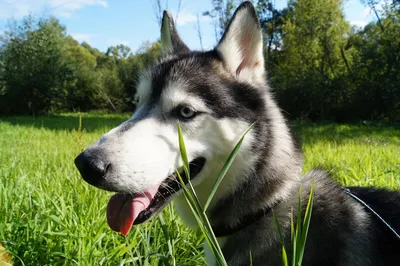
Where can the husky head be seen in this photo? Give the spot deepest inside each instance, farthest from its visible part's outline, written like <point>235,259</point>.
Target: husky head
<point>215,96</point>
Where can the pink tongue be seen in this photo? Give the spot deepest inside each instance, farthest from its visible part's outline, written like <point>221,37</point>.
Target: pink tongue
<point>122,209</point>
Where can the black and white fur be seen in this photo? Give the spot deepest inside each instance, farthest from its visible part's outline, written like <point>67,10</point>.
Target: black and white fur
<point>227,89</point>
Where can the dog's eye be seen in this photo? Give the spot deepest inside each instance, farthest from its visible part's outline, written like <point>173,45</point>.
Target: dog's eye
<point>186,112</point>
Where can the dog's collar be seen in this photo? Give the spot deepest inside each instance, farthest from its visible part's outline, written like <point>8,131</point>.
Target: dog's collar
<point>223,230</point>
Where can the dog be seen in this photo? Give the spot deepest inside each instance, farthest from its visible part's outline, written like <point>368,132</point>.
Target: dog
<point>215,96</point>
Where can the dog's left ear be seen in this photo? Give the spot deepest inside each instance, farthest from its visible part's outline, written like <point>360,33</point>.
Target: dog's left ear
<point>241,46</point>
<point>171,43</point>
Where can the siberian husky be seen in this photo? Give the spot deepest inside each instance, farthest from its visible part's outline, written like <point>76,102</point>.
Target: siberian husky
<point>216,95</point>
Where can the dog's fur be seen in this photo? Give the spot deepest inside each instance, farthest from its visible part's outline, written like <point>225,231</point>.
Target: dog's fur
<point>227,89</point>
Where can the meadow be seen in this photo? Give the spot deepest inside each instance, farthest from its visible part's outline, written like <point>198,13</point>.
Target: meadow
<point>50,216</point>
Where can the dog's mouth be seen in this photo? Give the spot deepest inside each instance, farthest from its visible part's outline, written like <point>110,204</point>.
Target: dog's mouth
<point>125,210</point>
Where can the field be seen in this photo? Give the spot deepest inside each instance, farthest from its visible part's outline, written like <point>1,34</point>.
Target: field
<point>50,216</point>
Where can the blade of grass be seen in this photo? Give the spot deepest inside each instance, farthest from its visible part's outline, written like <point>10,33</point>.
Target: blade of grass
<point>185,160</point>
<point>206,229</point>
<point>278,227</point>
<point>192,204</point>
<point>291,226</point>
<point>182,147</point>
<point>284,257</point>
<point>226,167</point>
<point>297,231</point>
<point>306,224</point>
<point>196,207</point>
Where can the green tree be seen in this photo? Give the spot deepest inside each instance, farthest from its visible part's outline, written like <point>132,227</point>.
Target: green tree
<point>314,62</point>
<point>82,80</point>
<point>377,67</point>
<point>272,21</point>
<point>32,66</point>
<point>42,69</point>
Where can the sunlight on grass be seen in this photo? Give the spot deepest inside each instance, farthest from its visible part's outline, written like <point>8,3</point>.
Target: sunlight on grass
<point>51,216</point>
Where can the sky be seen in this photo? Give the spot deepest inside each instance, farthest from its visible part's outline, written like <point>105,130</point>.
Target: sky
<point>103,23</point>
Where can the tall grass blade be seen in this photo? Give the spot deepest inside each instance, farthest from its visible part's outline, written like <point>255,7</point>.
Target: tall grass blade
<point>292,226</point>
<point>278,227</point>
<point>284,257</point>
<point>297,233</point>
<point>182,147</point>
<point>185,160</point>
<point>226,167</point>
<point>306,224</point>
<point>195,205</point>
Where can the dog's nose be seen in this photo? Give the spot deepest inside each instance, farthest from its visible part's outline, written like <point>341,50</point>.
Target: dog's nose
<point>92,168</point>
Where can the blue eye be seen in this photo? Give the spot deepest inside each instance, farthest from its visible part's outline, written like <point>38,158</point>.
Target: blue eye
<point>186,112</point>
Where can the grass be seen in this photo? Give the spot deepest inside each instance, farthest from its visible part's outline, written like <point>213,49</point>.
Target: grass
<point>50,216</point>
<point>298,232</point>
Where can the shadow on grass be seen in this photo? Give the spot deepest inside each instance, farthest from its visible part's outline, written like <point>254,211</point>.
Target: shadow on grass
<point>311,133</point>
<point>70,121</point>
<point>306,132</point>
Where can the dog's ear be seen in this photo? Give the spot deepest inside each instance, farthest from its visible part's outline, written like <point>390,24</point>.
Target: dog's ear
<point>241,46</point>
<point>171,43</point>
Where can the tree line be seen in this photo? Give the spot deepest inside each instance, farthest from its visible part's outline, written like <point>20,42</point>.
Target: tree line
<point>42,69</point>
<point>319,66</point>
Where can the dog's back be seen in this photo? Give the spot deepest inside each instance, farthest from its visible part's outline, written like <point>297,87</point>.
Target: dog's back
<point>342,231</point>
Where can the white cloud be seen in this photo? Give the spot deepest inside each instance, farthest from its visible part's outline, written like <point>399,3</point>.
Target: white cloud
<point>185,17</point>
<point>67,8</point>
<point>63,8</point>
<point>359,23</point>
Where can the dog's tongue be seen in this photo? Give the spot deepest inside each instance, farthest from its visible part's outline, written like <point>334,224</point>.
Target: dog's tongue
<point>122,209</point>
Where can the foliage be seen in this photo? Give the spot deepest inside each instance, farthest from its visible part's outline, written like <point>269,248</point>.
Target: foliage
<point>377,67</point>
<point>318,65</point>
<point>32,66</point>
<point>43,69</point>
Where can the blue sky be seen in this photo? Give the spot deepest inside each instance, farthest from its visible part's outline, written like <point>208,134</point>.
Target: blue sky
<point>103,23</point>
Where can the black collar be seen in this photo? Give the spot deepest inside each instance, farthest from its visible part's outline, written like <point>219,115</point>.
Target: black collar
<point>223,230</point>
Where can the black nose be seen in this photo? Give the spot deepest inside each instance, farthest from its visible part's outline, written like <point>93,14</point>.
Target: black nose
<point>92,168</point>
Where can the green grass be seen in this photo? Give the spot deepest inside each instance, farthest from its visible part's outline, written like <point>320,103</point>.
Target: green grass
<point>50,216</point>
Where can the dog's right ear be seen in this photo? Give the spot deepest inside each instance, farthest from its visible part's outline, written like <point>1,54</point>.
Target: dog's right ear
<point>171,43</point>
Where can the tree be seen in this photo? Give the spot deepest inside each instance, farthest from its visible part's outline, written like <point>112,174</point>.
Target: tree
<point>32,66</point>
<point>119,51</point>
<point>314,61</point>
<point>272,21</point>
<point>82,80</point>
<point>377,67</point>
<point>221,13</point>
<point>42,69</point>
